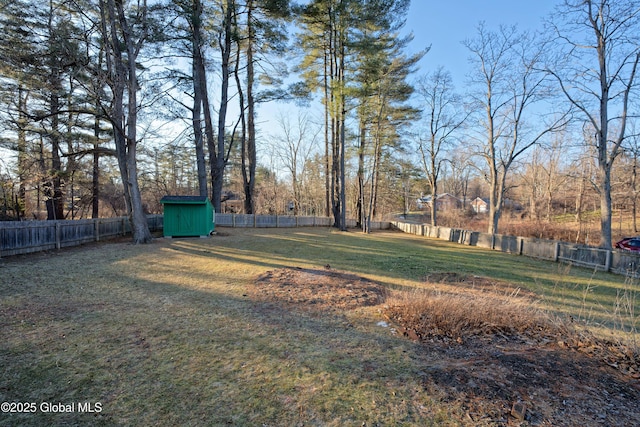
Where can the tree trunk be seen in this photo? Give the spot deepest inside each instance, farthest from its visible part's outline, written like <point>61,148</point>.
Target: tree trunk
<point>250,184</point>
<point>22,152</point>
<point>327,140</point>
<point>373,193</point>
<point>495,201</point>
<point>605,207</point>
<point>248,198</point>
<point>360,209</point>
<point>55,205</point>
<point>335,139</point>
<point>123,77</point>
<point>342,137</point>
<point>139,223</point>
<point>634,192</point>
<point>434,203</point>
<point>217,151</point>
<point>95,178</point>
<point>493,214</point>
<point>197,68</point>
<point>435,171</point>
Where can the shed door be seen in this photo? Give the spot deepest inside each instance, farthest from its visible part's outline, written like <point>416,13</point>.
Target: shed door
<point>186,221</point>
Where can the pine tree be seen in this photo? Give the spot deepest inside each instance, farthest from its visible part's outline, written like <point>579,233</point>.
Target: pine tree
<point>43,59</point>
<point>265,36</point>
<point>351,43</point>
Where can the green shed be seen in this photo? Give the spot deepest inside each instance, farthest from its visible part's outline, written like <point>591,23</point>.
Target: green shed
<point>186,216</point>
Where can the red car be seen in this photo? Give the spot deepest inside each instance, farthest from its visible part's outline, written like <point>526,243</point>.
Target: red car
<point>629,244</point>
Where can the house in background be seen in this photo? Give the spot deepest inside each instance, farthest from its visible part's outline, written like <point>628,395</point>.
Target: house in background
<point>444,202</point>
<point>230,202</point>
<point>480,205</point>
<point>423,202</point>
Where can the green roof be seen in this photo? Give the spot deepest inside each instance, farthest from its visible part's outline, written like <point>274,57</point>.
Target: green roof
<point>184,200</point>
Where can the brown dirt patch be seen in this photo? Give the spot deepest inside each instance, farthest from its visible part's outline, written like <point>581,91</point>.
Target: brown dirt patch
<point>325,289</point>
<point>540,374</point>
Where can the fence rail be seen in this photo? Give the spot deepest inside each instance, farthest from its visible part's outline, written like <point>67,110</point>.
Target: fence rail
<point>620,262</point>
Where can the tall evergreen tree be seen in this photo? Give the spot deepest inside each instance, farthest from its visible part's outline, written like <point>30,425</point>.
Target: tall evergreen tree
<point>336,33</point>
<point>193,12</point>
<point>326,25</point>
<point>265,35</point>
<point>43,58</point>
<point>19,79</point>
<point>382,91</point>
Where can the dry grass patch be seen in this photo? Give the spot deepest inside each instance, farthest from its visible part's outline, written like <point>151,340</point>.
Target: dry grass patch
<point>505,359</point>
<point>436,314</point>
<point>455,306</point>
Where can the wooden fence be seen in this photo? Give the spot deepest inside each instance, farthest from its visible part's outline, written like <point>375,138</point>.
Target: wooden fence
<point>270,221</point>
<point>285,221</point>
<point>620,262</point>
<point>22,237</point>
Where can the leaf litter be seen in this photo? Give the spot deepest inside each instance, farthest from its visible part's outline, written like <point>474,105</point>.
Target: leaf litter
<point>512,365</point>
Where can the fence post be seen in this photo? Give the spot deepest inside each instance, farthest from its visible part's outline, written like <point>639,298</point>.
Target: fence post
<point>58,236</point>
<point>96,228</point>
<point>520,245</point>
<point>556,252</point>
<point>607,261</point>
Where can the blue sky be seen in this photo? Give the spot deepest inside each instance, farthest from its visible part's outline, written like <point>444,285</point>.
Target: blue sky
<point>445,24</point>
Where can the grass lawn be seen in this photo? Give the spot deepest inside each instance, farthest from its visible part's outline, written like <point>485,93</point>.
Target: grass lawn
<point>166,334</point>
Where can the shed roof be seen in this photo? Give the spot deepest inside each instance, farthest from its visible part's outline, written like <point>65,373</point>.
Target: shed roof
<point>184,199</point>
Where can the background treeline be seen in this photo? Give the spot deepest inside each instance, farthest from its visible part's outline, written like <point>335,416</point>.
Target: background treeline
<point>316,107</point>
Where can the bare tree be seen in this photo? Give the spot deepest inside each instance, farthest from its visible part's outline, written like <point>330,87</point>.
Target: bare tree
<point>630,174</point>
<point>509,85</point>
<point>125,32</point>
<point>443,116</point>
<point>583,176</point>
<point>533,181</point>
<point>461,166</point>
<point>599,46</point>
<point>542,176</point>
<point>552,171</point>
<point>293,148</point>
